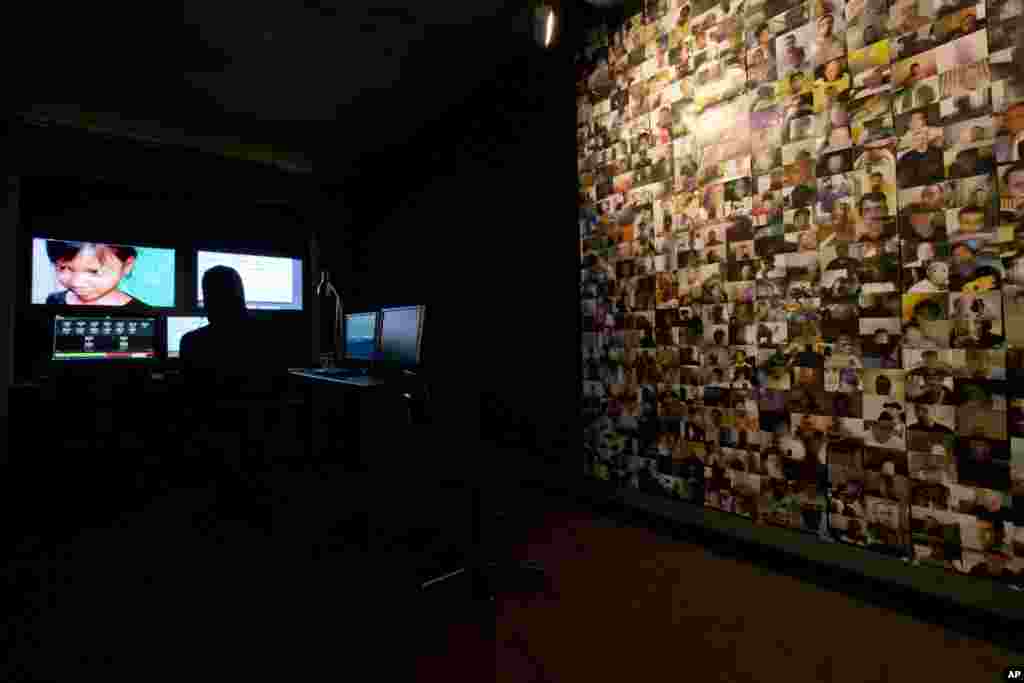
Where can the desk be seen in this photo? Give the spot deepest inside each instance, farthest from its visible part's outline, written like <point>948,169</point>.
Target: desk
<point>88,411</point>
<point>369,408</point>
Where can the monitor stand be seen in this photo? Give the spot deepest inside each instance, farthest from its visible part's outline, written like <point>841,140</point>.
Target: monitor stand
<point>486,576</point>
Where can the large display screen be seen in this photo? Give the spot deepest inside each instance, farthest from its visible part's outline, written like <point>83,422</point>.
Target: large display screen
<point>66,273</point>
<point>177,327</point>
<point>101,339</point>
<point>802,269</point>
<point>270,282</point>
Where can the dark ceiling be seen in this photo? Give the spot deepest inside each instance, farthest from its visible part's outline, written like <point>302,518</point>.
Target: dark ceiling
<point>317,79</point>
<point>343,87</point>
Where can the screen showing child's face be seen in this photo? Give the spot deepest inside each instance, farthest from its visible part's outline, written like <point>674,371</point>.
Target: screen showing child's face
<point>101,274</point>
<point>92,273</point>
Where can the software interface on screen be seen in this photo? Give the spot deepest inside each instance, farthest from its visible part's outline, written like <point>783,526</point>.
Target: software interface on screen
<point>177,327</point>
<point>400,334</point>
<point>66,273</point>
<point>270,282</point>
<point>360,335</point>
<point>78,338</point>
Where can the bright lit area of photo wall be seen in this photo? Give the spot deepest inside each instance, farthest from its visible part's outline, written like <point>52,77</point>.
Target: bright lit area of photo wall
<point>802,277</point>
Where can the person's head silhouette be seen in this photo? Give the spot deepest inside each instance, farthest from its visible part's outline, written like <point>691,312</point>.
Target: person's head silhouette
<point>223,295</point>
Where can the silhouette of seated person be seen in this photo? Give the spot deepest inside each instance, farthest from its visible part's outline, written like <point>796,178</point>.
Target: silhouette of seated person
<point>226,360</point>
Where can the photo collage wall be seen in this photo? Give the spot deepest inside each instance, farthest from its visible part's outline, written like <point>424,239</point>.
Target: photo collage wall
<point>802,269</point>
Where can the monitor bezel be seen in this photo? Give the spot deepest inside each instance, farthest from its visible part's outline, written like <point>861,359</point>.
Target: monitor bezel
<point>167,334</point>
<point>422,308</point>
<point>83,309</point>
<point>195,285</point>
<point>376,337</point>
<point>159,334</point>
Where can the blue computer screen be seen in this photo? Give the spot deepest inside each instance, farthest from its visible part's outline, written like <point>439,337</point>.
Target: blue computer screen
<point>360,335</point>
<point>400,335</point>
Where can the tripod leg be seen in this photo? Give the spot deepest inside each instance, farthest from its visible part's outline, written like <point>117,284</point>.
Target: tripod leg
<point>441,579</point>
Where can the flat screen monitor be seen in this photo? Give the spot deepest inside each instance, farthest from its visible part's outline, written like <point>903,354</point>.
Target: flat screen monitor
<point>177,327</point>
<point>109,338</point>
<point>132,278</point>
<point>401,335</point>
<point>271,282</point>
<point>361,336</point>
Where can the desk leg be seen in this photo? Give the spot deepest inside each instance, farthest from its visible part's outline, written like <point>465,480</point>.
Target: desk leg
<point>361,434</point>
<point>375,427</point>
<point>316,425</point>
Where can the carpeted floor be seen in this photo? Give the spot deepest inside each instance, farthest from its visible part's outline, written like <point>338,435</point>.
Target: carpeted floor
<point>191,583</point>
<point>627,604</point>
<point>196,583</point>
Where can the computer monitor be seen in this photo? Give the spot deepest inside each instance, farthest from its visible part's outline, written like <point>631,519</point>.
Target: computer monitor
<point>401,335</point>
<point>177,327</point>
<point>130,277</point>
<point>270,282</point>
<point>109,338</point>
<point>361,336</point>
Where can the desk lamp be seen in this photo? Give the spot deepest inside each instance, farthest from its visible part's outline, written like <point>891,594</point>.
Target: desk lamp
<point>331,303</point>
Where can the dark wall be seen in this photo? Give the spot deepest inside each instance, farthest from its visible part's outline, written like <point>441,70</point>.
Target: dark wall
<point>8,230</point>
<point>486,239</point>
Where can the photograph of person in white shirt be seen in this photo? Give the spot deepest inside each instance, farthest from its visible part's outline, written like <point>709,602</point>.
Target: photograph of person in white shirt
<point>792,447</point>
<point>885,433</point>
<point>936,279</point>
<point>1010,136</point>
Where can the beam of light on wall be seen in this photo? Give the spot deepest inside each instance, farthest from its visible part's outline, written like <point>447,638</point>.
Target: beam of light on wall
<point>550,33</point>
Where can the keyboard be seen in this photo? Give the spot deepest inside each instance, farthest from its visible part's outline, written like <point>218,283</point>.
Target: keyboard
<point>340,372</point>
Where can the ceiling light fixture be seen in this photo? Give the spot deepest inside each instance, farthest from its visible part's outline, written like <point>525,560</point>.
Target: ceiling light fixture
<point>544,18</point>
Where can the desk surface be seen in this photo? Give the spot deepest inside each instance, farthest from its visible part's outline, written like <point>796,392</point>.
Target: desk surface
<point>311,374</point>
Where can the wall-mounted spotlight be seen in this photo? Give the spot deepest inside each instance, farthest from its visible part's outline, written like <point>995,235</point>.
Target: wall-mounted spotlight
<point>544,16</point>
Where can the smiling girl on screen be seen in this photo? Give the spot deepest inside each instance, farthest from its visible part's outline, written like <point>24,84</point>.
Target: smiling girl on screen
<point>91,273</point>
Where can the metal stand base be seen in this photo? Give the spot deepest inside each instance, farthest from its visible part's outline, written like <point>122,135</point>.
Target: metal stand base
<point>492,578</point>
<point>485,575</point>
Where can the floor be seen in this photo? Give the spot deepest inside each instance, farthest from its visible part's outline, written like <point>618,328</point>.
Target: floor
<point>205,578</point>
<point>201,580</point>
<point>627,604</point>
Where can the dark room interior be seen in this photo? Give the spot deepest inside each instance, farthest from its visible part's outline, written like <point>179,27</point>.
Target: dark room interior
<point>425,515</point>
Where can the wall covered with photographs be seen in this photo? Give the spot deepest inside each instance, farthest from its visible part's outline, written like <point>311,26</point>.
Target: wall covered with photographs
<point>802,281</point>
